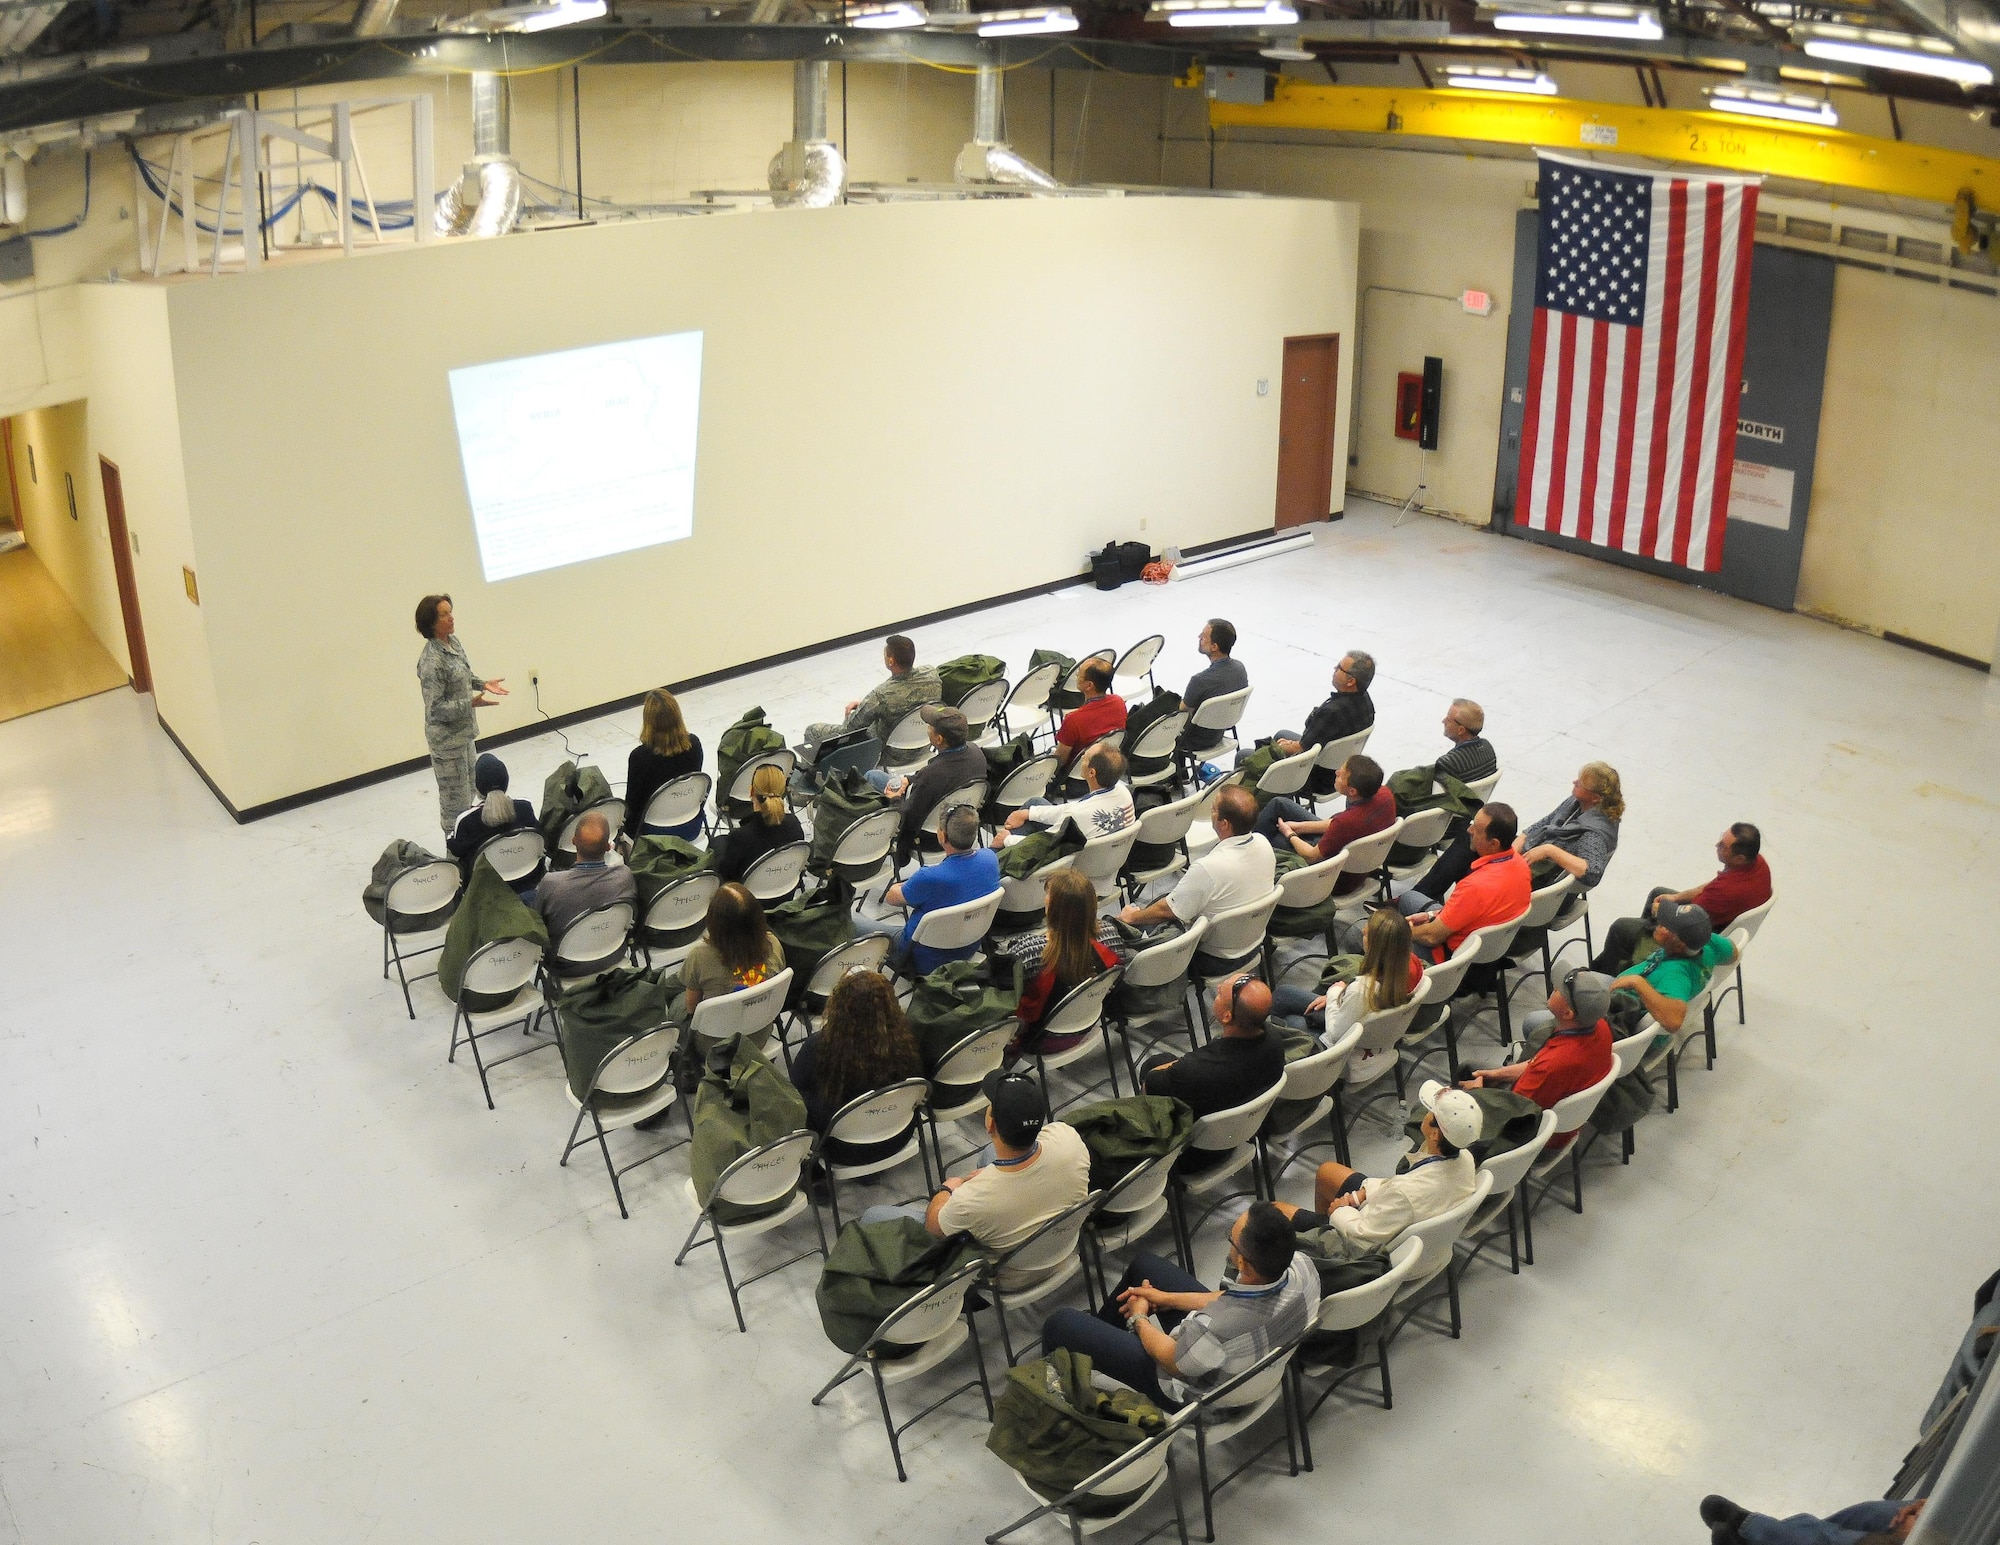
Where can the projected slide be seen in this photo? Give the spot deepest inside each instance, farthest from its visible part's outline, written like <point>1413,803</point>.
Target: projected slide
<point>580,454</point>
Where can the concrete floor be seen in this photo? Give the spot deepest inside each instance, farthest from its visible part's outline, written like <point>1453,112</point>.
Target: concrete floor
<point>275,1273</point>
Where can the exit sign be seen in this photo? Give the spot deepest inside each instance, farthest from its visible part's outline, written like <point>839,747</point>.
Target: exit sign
<point>1478,302</point>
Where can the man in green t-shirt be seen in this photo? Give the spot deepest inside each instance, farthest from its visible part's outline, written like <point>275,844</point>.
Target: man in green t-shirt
<point>1688,952</point>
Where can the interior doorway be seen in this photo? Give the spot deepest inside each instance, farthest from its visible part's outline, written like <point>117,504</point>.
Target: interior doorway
<point>121,566</point>
<point>1308,400</point>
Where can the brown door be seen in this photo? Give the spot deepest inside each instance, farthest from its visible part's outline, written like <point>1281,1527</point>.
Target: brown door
<point>13,483</point>
<point>121,564</point>
<point>1306,403</point>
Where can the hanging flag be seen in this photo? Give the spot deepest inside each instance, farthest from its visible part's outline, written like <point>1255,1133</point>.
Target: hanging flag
<point>1642,286</point>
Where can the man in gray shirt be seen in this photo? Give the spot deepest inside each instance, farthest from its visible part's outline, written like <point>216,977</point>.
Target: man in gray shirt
<point>569,893</point>
<point>1221,676</point>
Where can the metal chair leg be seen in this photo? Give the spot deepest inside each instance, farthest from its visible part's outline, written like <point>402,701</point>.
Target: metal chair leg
<point>882,1395</point>
<point>1576,1173</point>
<point>1527,1226</point>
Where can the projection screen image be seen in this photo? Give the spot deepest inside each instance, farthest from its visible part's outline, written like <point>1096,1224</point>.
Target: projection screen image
<point>581,454</point>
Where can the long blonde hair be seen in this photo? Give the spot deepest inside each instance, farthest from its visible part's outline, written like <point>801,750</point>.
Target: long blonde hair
<point>1601,778</point>
<point>662,728</point>
<point>1072,918</point>
<point>767,793</point>
<point>1385,959</point>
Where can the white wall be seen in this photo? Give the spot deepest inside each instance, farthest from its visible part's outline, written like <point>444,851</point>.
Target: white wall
<point>49,444</point>
<point>905,408</point>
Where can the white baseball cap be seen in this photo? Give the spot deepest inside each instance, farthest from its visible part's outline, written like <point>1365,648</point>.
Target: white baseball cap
<point>1459,1117</point>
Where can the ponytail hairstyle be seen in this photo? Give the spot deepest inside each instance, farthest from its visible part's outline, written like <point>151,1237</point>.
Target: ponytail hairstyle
<point>767,794</point>
<point>497,809</point>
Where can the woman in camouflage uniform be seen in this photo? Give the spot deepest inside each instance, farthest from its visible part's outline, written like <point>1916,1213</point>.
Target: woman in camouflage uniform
<point>451,694</point>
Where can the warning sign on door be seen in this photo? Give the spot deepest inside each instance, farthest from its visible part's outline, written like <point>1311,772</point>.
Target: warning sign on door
<point>1761,495</point>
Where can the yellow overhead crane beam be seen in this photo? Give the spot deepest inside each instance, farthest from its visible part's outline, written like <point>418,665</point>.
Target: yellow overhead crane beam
<point>1555,123</point>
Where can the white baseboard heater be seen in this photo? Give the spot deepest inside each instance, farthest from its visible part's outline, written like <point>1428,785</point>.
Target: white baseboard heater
<point>1272,546</point>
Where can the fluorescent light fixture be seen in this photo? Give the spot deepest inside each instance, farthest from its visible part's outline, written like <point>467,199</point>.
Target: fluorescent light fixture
<point>881,18</point>
<point>1290,53</point>
<point>1895,51</point>
<point>1026,23</point>
<point>1223,13</point>
<point>545,17</point>
<point>1487,77</point>
<point>1763,102</point>
<point>1585,21</point>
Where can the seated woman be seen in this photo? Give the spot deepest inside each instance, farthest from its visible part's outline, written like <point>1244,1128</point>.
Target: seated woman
<point>736,950</point>
<point>769,825</point>
<point>863,1044</point>
<point>1071,955</point>
<point>496,812</point>
<point>1390,972</point>
<point>1578,837</point>
<point>666,751</point>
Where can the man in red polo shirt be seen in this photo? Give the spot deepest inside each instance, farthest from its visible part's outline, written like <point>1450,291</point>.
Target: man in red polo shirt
<point>1100,712</point>
<point>1743,885</point>
<point>1494,890</point>
<point>1576,1054</point>
<point>1370,808</point>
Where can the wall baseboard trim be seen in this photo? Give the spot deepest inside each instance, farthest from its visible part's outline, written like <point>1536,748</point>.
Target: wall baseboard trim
<point>693,683</point>
<point>1939,651</point>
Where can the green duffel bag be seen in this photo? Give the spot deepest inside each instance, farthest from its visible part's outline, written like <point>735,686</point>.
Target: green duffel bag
<point>570,788</point>
<point>1143,717</point>
<point>1416,789</point>
<point>876,1268</point>
<point>1507,1120</point>
<point>811,926</point>
<point>745,740</point>
<point>1057,697</point>
<point>1024,856</point>
<point>1054,1428</point>
<point>488,910</point>
<point>961,996</point>
<point>1314,922</point>
<point>657,862</point>
<point>396,857</point>
<point>842,800</point>
<point>1254,765</point>
<point>1341,1265</point>
<point>960,676</point>
<point>743,1103</point>
<point>1132,1003</point>
<point>1123,1132</point>
<point>599,1015</point>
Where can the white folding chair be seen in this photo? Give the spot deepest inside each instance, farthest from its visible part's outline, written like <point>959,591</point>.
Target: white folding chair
<point>502,973</point>
<point>864,847</point>
<point>1421,831</point>
<point>865,952</point>
<point>1027,706</point>
<point>1365,858</point>
<point>677,914</point>
<point>1136,663</point>
<point>1626,1055</point>
<point>1233,1134</point>
<point>956,927</point>
<point>1115,1492</point>
<point>419,900</point>
<point>1571,1113</point>
<point>1382,1035</point>
<point>1159,840</point>
<point>1696,1020</point>
<point>1494,941</point>
<point>1300,890</point>
<point>1508,1170</point>
<point>1024,897</point>
<point>1483,787</point>
<point>593,944</point>
<point>973,794</point>
<point>1102,858</point>
<point>1309,1085</point>
<point>981,705</point>
<point>1440,1258</point>
<point>749,1011</point>
<point>1287,776</point>
<point>632,1083</point>
<point>770,1178</point>
<point>1028,781</point>
<point>1333,755</point>
<point>775,876</point>
<point>1220,713</point>
<point>1079,1014</point>
<point>1729,978</point>
<point>956,1093</point>
<point>1355,1309</point>
<point>1130,1208</point>
<point>879,1116</point>
<point>1149,759</point>
<point>613,811</point>
<point>1544,905</point>
<point>1235,942</point>
<point>909,744</point>
<point>1047,1260</point>
<point>737,796</point>
<point>1441,983</point>
<point>936,1323</point>
<point>678,801</point>
<point>1159,966</point>
<point>514,854</point>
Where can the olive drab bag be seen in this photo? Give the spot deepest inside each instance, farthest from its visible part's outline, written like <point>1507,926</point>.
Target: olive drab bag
<point>961,996</point>
<point>1342,1264</point>
<point>1315,921</point>
<point>1056,1429</point>
<point>396,857</point>
<point>1132,1002</point>
<point>597,1016</point>
<point>1253,765</point>
<point>1001,760</point>
<point>1144,716</point>
<point>570,788</point>
<point>1122,1132</point>
<point>1058,698</point>
<point>1022,857</point>
<point>743,1103</point>
<point>844,798</point>
<point>960,676</point>
<point>748,738</point>
<point>657,862</point>
<point>1507,1120</point>
<point>1415,788</point>
<point>488,910</point>
<point>811,926</point>
<point>876,1268</point>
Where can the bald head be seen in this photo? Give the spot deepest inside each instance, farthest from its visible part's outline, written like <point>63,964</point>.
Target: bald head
<point>1242,1010</point>
<point>593,837</point>
<point>1235,808</point>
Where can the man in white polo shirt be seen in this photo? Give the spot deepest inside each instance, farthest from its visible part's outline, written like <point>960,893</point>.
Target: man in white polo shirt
<point>1239,869</point>
<point>1438,1177</point>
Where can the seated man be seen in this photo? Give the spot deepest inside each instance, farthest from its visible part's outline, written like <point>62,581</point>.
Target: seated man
<point>1429,1182</point>
<point>1240,1063</point>
<point>966,873</point>
<point>1686,953</point>
<point>1575,1054</point>
<point>1743,886</point>
<point>1865,1523</point>
<point>884,708</point>
<point>1471,756</point>
<point>591,882</point>
<point>1106,806</point>
<point>1238,870</point>
<point>1165,1335</point>
<point>1370,808</point>
<point>1039,1168</point>
<point>1221,676</point>
<point>1347,712</point>
<point>955,765</point>
<point>1495,889</point>
<point>1101,712</point>
<point>495,813</point>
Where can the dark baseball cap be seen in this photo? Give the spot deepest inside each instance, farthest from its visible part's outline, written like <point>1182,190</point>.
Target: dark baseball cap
<point>947,721</point>
<point>1018,1112</point>
<point>1686,922</point>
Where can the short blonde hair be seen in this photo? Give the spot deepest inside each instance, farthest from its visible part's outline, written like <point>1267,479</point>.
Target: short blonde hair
<point>1601,778</point>
<point>1469,714</point>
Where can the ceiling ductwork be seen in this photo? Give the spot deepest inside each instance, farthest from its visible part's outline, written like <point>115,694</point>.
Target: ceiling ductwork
<point>20,26</point>
<point>989,158</point>
<point>374,17</point>
<point>809,172</point>
<point>486,199</point>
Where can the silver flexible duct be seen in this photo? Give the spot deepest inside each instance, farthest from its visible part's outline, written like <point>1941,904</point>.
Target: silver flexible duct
<point>373,18</point>
<point>809,172</point>
<point>989,158</point>
<point>486,199</point>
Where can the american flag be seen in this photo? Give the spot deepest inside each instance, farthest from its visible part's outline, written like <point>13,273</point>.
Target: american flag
<point>1634,370</point>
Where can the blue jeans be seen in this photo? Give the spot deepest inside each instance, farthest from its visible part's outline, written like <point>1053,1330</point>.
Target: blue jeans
<point>1842,1528</point>
<point>1290,1003</point>
<point>1103,1337</point>
<point>878,780</point>
<point>1281,810</point>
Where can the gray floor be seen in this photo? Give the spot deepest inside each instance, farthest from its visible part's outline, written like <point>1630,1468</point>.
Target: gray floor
<point>273,1272</point>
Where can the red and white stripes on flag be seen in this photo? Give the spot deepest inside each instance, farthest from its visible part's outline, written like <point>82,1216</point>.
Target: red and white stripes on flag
<point>1642,289</point>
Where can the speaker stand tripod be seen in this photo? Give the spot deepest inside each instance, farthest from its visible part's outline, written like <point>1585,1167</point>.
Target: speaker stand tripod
<point>1423,487</point>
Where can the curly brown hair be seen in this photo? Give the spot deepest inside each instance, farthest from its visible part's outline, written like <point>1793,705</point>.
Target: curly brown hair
<point>865,1041</point>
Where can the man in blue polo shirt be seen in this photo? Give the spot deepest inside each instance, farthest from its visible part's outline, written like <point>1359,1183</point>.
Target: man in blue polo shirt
<point>967,872</point>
